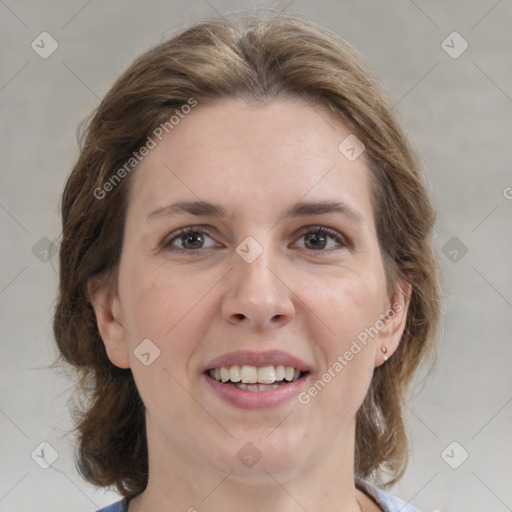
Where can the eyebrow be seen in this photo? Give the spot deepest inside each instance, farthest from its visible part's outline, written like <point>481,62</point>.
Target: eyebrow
<point>302,208</point>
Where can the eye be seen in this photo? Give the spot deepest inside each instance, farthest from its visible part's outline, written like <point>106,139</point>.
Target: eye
<point>190,239</point>
<point>317,239</point>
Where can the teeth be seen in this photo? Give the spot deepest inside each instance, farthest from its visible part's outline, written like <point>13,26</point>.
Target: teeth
<point>224,374</point>
<point>288,373</point>
<point>267,375</point>
<point>249,374</point>
<point>234,373</point>
<point>256,387</point>
<point>263,376</point>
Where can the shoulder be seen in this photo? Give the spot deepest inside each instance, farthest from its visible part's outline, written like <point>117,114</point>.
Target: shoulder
<point>387,502</point>
<point>118,506</point>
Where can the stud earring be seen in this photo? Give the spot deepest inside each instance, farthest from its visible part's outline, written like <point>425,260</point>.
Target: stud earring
<point>384,351</point>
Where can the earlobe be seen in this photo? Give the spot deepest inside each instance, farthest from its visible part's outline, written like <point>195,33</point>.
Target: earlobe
<point>394,323</point>
<point>108,311</point>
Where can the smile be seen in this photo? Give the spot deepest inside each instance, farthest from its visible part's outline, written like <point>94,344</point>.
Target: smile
<point>253,378</point>
<point>257,395</point>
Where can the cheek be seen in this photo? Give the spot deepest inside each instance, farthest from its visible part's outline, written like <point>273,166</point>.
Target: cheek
<point>164,306</point>
<point>352,303</point>
<point>168,312</point>
<point>160,299</point>
<point>349,310</point>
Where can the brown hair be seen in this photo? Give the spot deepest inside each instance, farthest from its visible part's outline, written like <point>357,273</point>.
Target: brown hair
<point>258,58</point>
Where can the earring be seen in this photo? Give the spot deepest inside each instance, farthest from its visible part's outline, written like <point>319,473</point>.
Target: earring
<point>384,351</point>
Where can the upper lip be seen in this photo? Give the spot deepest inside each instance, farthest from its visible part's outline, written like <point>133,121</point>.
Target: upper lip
<point>250,358</point>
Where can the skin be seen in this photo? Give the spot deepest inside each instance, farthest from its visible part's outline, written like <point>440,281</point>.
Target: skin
<point>309,302</point>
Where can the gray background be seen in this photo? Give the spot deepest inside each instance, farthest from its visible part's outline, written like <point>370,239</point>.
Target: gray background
<point>458,112</point>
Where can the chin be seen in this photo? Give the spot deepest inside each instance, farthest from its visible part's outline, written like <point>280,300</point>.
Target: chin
<point>251,455</point>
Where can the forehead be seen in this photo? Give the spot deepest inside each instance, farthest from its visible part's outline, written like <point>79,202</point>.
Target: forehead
<point>243,155</point>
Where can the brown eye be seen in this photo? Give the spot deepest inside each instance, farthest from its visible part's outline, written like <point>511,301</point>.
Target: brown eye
<point>189,240</point>
<point>315,240</point>
<point>192,240</point>
<point>318,239</point>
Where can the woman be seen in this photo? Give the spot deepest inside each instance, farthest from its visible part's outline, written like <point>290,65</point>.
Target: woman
<point>247,281</point>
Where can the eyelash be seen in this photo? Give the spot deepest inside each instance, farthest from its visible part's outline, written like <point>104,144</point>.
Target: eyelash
<point>317,230</point>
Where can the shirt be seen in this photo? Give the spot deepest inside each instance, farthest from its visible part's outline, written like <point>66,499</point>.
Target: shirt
<point>385,501</point>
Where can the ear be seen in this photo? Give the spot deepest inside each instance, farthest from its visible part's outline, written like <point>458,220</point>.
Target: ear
<point>394,322</point>
<point>108,310</point>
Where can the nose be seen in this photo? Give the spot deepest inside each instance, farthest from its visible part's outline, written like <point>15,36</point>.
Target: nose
<point>257,294</point>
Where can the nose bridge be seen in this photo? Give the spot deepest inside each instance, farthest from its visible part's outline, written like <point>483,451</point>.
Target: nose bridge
<point>255,267</point>
<point>255,291</point>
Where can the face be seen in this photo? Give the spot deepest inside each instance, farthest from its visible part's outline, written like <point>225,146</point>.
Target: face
<point>277,281</point>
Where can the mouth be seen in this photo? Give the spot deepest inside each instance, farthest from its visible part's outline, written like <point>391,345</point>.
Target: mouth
<point>254,378</point>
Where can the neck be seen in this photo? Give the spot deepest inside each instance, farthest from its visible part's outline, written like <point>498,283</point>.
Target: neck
<point>230,496</point>
<point>179,480</point>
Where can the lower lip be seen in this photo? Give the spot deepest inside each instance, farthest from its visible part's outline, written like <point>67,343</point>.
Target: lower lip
<point>257,399</point>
